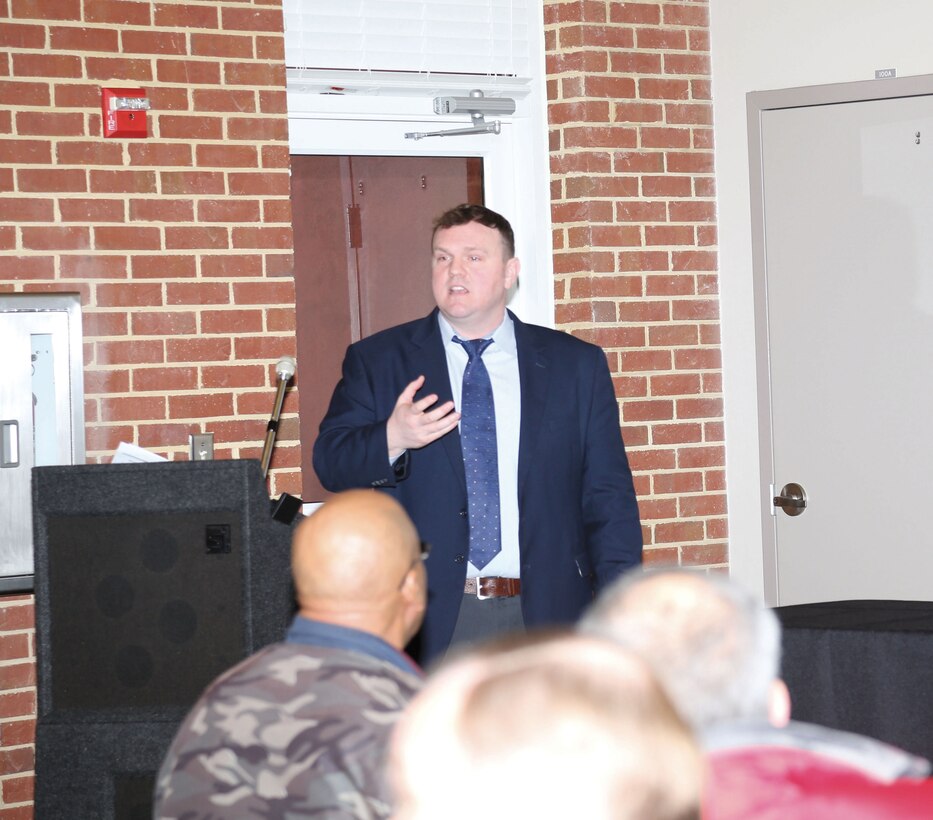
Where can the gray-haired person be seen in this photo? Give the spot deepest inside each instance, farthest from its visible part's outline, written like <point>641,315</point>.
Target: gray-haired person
<point>716,649</point>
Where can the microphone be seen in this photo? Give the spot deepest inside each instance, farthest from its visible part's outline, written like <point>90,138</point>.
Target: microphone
<point>284,371</point>
<point>285,367</point>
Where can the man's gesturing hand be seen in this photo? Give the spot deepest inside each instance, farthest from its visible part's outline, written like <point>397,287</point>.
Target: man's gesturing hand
<point>414,424</point>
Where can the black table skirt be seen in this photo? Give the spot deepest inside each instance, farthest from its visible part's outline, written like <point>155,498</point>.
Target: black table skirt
<point>863,666</point>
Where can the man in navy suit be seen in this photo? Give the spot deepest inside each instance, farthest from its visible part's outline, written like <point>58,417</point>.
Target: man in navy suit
<point>568,516</point>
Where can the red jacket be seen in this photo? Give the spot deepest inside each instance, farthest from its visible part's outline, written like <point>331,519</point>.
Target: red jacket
<point>809,772</point>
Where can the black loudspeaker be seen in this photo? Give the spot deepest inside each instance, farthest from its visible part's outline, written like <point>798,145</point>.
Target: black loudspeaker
<point>150,580</point>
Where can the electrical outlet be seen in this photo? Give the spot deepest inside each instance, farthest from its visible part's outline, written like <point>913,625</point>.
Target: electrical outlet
<point>202,446</point>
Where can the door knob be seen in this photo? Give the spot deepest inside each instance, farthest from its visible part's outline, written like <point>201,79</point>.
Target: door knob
<point>793,499</point>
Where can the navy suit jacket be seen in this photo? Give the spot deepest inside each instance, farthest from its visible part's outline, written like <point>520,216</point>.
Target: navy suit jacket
<point>578,516</point>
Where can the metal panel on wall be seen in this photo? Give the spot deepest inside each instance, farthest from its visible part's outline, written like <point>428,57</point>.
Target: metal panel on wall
<point>41,413</point>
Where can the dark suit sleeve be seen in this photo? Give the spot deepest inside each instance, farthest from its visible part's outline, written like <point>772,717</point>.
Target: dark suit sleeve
<point>610,509</point>
<point>351,448</point>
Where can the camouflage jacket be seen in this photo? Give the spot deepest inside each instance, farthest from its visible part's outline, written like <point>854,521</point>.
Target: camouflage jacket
<point>294,731</point>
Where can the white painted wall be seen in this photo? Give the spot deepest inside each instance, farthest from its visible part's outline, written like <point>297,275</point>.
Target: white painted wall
<point>760,45</point>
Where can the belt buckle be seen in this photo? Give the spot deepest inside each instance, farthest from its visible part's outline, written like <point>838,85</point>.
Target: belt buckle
<point>479,590</point>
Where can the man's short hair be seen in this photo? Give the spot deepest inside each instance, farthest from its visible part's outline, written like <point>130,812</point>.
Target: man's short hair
<point>561,727</point>
<point>713,645</point>
<point>467,213</point>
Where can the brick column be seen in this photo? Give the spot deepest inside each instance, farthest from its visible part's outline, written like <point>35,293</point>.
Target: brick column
<point>634,214</point>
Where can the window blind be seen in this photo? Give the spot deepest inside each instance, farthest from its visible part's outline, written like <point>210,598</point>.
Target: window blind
<point>484,37</point>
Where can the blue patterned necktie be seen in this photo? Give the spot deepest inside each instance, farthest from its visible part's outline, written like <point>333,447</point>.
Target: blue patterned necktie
<point>480,455</point>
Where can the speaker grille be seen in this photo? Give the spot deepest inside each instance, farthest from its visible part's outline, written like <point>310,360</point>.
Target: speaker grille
<point>151,580</point>
<point>145,610</point>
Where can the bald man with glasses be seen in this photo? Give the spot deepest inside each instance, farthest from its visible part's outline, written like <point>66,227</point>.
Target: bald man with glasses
<point>301,727</point>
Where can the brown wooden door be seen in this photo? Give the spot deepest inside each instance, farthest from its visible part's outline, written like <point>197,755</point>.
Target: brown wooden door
<point>362,260</point>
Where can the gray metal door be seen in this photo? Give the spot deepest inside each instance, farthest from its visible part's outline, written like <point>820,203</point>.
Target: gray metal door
<point>847,321</point>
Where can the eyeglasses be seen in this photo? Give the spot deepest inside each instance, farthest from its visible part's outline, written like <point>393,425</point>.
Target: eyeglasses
<point>422,556</point>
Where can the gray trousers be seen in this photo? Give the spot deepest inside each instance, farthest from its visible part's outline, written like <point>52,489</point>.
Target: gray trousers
<point>480,620</point>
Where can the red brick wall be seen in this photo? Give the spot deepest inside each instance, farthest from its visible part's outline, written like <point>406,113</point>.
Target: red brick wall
<point>634,217</point>
<point>17,706</point>
<point>179,244</point>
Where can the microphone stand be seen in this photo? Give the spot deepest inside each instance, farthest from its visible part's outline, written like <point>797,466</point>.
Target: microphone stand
<point>286,507</point>
<point>272,428</point>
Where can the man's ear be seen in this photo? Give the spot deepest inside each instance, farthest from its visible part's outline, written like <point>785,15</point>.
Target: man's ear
<point>414,589</point>
<point>409,581</point>
<point>778,704</point>
<point>512,267</point>
<point>412,583</point>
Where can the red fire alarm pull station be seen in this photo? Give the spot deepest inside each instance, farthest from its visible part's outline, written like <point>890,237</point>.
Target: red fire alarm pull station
<point>124,112</point>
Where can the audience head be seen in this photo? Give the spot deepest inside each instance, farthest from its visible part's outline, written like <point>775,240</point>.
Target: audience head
<point>714,646</point>
<point>357,563</point>
<point>558,726</point>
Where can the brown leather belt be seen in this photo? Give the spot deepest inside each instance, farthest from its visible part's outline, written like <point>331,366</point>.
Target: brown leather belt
<point>492,587</point>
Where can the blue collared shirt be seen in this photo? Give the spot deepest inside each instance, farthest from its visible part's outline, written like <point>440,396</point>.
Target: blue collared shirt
<point>317,633</point>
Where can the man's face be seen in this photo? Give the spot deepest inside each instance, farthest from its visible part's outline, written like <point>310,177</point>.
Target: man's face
<point>471,277</point>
